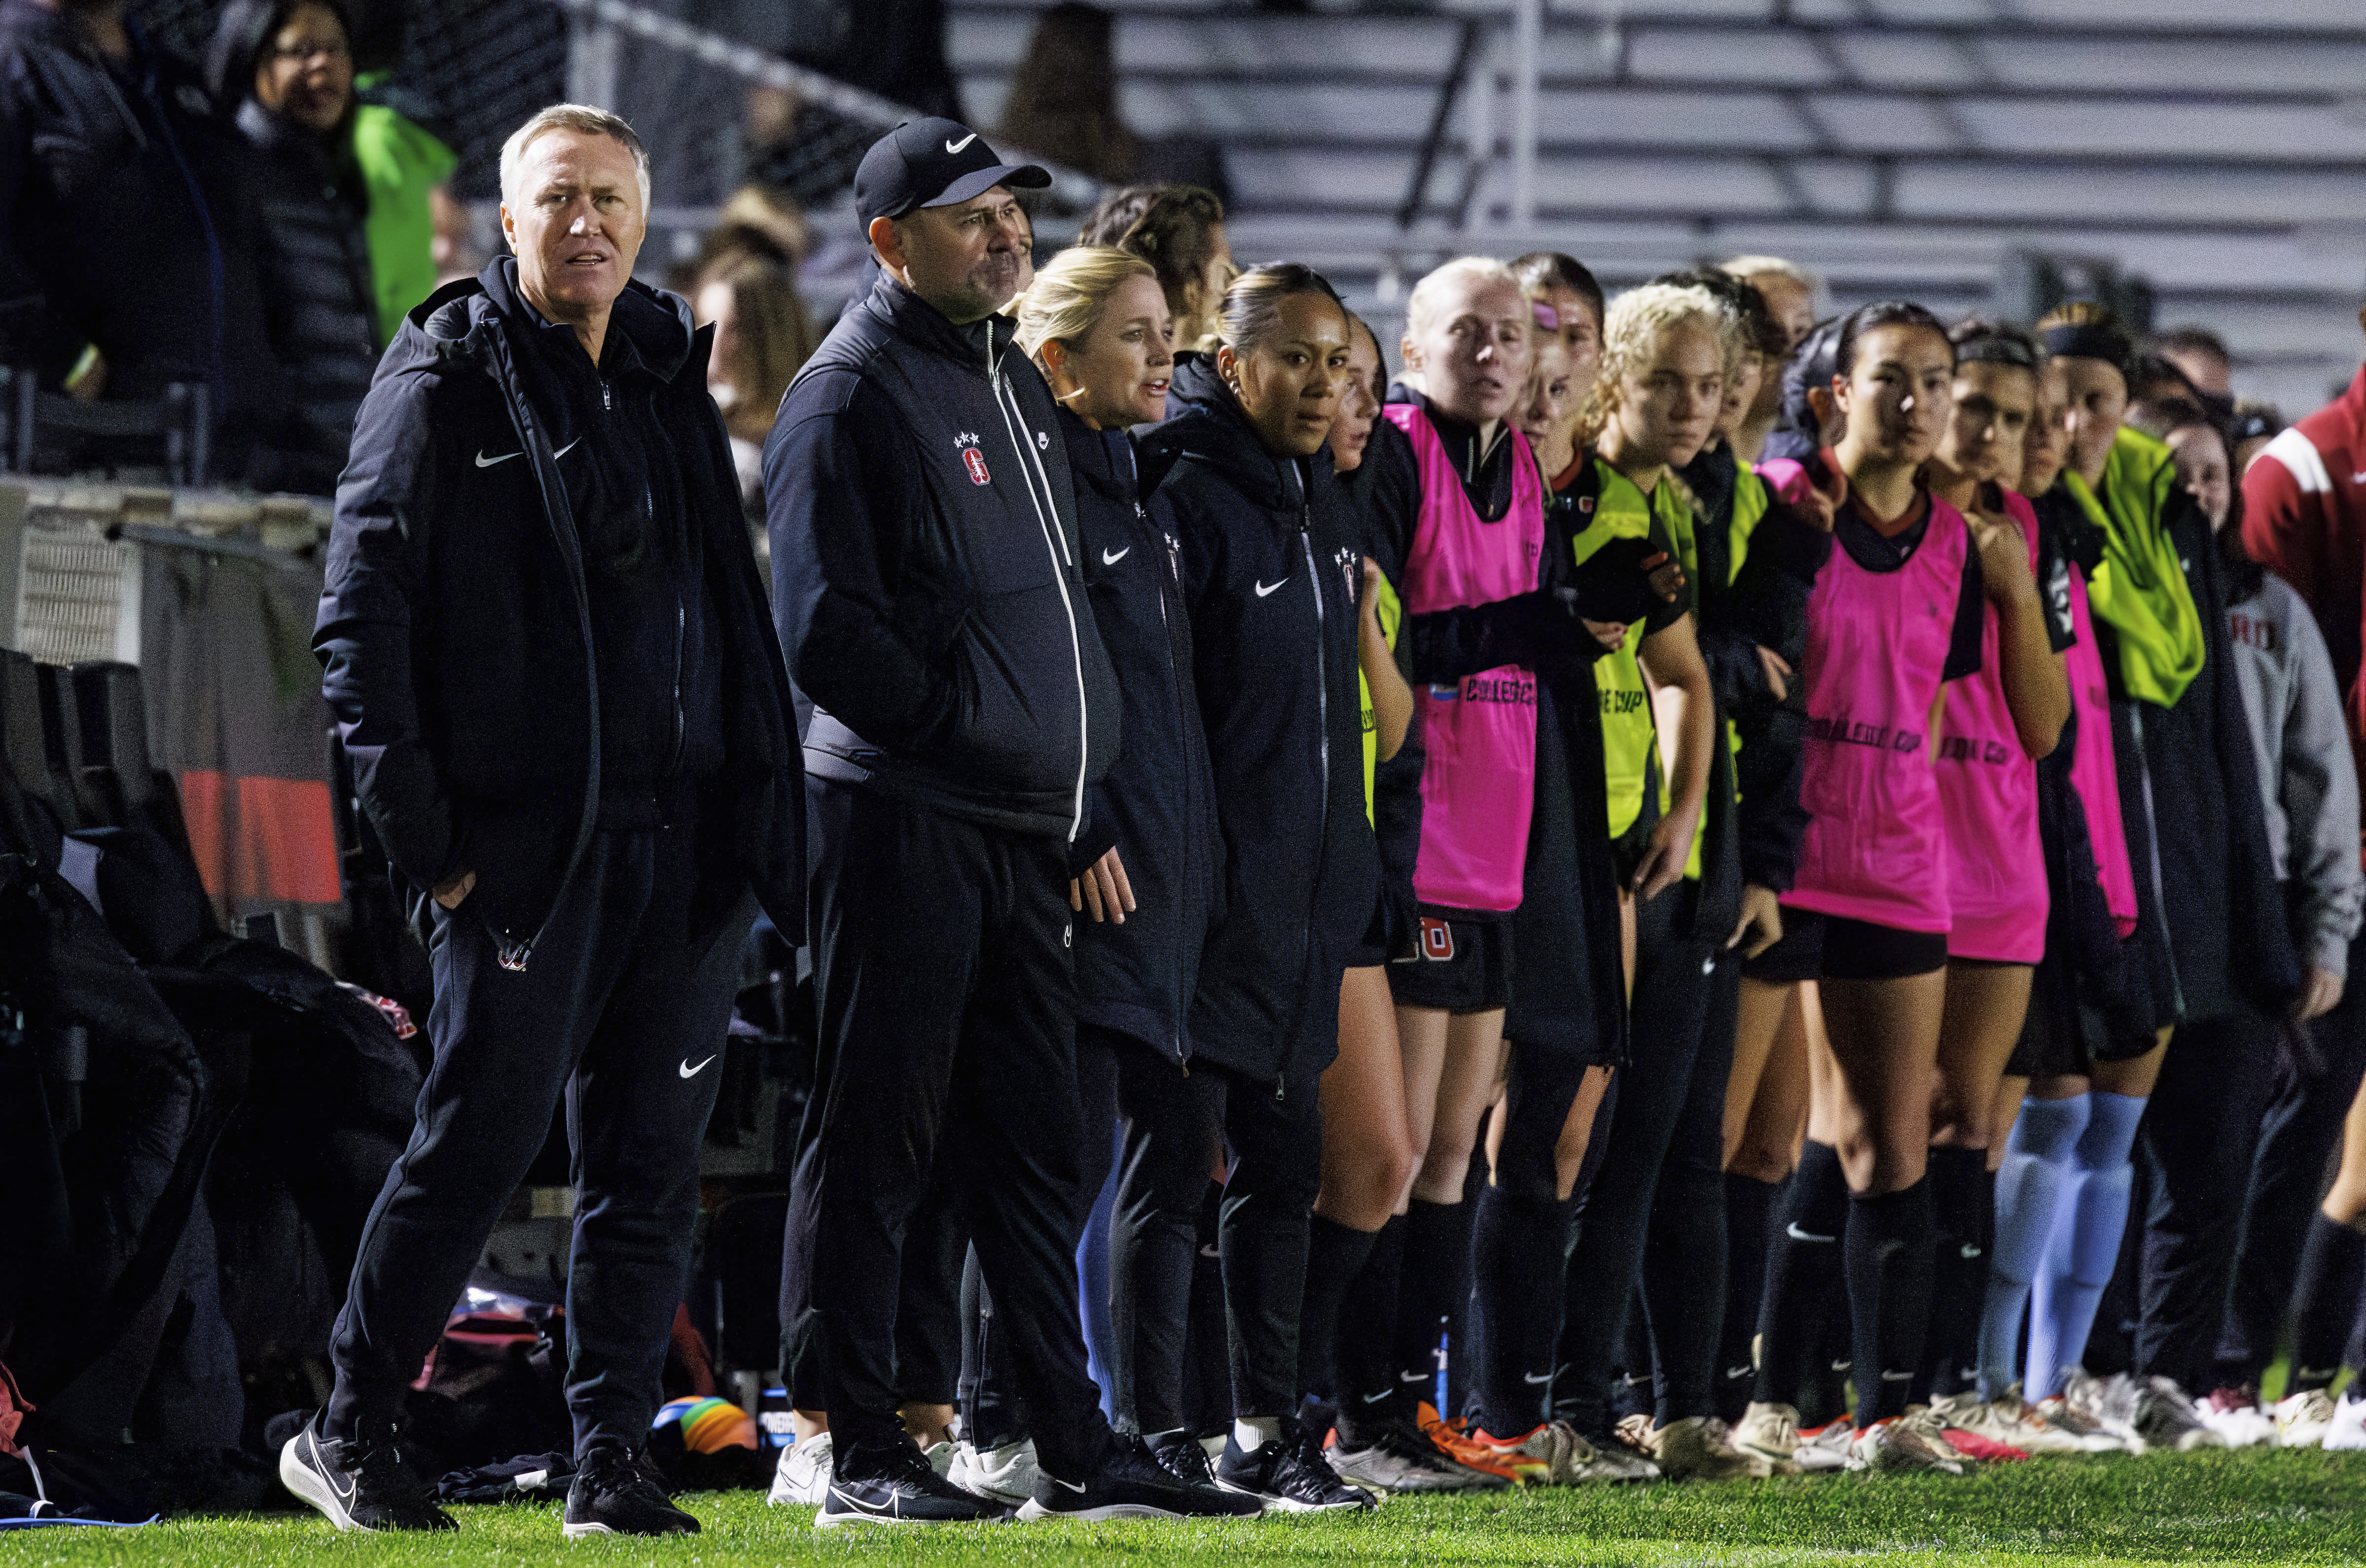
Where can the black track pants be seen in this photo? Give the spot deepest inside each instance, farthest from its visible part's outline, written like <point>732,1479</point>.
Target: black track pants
<point>621,1008</point>
<point>942,967</point>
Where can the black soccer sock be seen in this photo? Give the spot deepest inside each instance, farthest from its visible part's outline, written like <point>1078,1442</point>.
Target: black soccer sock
<point>1334,1256</point>
<point>1437,1270</point>
<point>1515,1306</point>
<point>1748,1204</point>
<point>1962,1203</point>
<point>1803,1252</point>
<point>1886,1254</point>
<point>2325,1301</point>
<point>1365,1347</point>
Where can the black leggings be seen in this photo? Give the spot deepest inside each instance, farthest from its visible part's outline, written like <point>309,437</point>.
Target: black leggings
<point>1176,1127</point>
<point>1660,1214</point>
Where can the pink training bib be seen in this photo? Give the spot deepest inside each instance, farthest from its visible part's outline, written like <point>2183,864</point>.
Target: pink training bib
<point>1987,795</point>
<point>2094,772</point>
<point>1478,780</point>
<point>1877,847</point>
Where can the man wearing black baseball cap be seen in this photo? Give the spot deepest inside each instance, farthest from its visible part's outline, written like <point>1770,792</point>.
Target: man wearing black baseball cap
<point>928,591</point>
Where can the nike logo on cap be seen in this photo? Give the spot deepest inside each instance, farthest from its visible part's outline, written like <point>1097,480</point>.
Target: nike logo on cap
<point>955,147</point>
<point>1266,590</point>
<point>690,1072</point>
<point>1111,558</point>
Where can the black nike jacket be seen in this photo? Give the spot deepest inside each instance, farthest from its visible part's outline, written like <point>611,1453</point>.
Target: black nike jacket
<point>1272,564</point>
<point>458,629</point>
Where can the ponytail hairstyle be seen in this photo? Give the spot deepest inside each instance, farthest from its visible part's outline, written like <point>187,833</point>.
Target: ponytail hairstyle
<point>1070,292</point>
<point>1881,314</point>
<point>1630,336</point>
<point>1174,228</point>
<point>1808,370</point>
<point>1251,309</point>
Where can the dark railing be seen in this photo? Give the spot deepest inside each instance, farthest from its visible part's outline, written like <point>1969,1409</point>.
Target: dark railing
<point>1466,49</point>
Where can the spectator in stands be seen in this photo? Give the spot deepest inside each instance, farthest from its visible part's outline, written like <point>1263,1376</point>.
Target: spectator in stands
<point>1063,101</point>
<point>126,260</point>
<point>290,67</point>
<point>763,337</point>
<point>762,219</point>
<point>414,221</point>
<point>1180,231</point>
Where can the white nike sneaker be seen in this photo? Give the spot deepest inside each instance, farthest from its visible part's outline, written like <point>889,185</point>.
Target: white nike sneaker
<point>2347,1428</point>
<point>2304,1419</point>
<point>939,1457</point>
<point>1006,1475</point>
<point>801,1478</point>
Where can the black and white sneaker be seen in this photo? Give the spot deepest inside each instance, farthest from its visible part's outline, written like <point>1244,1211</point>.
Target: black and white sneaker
<point>1184,1459</point>
<point>616,1492</point>
<point>362,1483</point>
<point>898,1487</point>
<point>1290,1473</point>
<point>1133,1484</point>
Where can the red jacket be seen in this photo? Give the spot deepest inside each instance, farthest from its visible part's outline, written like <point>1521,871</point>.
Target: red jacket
<point>2305,518</point>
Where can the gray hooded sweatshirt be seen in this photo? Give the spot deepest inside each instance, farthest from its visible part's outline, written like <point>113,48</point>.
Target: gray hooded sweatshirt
<point>2307,780</point>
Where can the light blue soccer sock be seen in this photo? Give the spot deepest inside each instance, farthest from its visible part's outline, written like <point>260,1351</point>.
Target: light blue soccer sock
<point>2086,1242</point>
<point>2036,1171</point>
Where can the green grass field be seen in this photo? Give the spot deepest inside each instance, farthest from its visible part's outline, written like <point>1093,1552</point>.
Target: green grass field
<point>2252,1506</point>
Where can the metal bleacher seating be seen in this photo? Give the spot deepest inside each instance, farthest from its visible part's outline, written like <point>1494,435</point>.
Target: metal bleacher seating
<point>1922,147</point>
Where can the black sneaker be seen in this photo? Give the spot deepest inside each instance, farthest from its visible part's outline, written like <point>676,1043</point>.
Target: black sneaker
<point>1133,1484</point>
<point>1290,1473</point>
<point>362,1483</point>
<point>614,1493</point>
<point>898,1487</point>
<point>1184,1459</point>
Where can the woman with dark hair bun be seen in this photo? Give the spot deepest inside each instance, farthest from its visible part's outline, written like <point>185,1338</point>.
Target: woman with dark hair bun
<point>1269,549</point>
<point>1897,612</point>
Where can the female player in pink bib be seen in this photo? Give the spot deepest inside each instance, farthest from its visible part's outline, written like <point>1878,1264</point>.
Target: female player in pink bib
<point>1997,724</point>
<point>1898,611</point>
